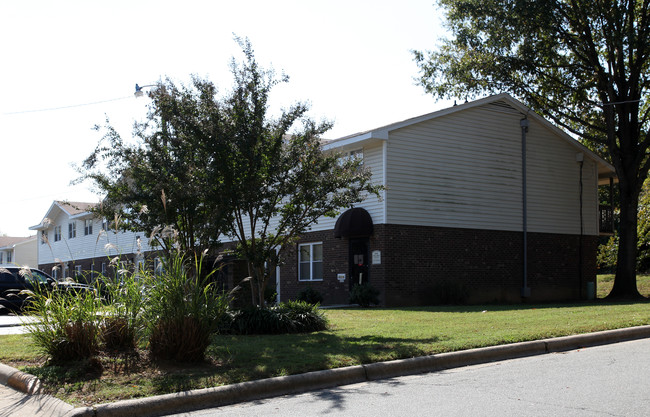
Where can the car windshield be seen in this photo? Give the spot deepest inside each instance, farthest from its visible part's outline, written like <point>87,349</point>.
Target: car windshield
<point>36,277</point>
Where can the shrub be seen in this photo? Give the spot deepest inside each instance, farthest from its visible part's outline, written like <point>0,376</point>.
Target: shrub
<point>364,295</point>
<point>66,325</point>
<point>306,317</point>
<point>184,308</point>
<point>310,295</point>
<point>287,317</point>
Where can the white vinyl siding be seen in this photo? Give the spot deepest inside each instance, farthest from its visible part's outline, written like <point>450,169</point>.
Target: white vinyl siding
<point>464,170</point>
<point>372,160</point>
<point>88,246</point>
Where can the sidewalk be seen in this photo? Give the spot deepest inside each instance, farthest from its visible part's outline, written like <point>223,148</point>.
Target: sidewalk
<point>19,403</point>
<point>12,321</point>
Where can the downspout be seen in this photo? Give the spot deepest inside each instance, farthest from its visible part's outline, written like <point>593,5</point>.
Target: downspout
<point>580,158</point>
<point>525,290</point>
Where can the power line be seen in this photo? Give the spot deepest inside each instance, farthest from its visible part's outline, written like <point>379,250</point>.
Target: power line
<point>67,107</point>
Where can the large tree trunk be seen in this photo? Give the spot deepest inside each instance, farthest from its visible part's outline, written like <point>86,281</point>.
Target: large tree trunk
<point>625,281</point>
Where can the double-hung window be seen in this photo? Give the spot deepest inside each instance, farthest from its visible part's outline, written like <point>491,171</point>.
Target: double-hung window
<point>57,233</point>
<point>72,230</point>
<point>310,262</point>
<point>88,227</point>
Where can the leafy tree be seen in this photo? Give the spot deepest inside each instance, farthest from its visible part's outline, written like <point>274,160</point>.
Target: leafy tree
<point>582,63</point>
<point>277,174</point>
<point>608,252</point>
<point>163,183</point>
<point>223,166</point>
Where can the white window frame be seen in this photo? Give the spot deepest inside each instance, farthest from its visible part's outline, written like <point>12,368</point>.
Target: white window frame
<point>311,261</point>
<point>77,272</point>
<point>44,237</point>
<point>57,233</point>
<point>72,230</point>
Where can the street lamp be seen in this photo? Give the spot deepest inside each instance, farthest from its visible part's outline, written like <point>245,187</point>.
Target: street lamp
<point>138,89</point>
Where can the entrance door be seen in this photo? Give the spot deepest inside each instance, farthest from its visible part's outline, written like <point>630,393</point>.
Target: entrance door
<point>358,261</point>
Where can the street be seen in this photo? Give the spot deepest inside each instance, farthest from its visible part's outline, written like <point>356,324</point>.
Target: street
<point>611,380</point>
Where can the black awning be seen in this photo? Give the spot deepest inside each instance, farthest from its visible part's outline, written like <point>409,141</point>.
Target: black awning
<point>355,222</point>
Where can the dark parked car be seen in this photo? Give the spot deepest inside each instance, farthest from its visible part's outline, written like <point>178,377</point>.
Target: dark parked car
<point>14,280</point>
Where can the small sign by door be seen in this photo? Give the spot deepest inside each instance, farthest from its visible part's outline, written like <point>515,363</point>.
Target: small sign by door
<point>376,257</point>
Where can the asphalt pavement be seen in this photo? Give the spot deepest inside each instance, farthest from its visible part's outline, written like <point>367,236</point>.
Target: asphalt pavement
<point>610,380</point>
<point>20,402</point>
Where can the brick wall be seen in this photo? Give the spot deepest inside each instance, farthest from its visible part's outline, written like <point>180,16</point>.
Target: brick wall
<point>416,261</point>
<point>487,264</point>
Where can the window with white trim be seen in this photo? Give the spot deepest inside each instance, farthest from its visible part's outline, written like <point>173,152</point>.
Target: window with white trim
<point>44,237</point>
<point>57,233</point>
<point>310,262</point>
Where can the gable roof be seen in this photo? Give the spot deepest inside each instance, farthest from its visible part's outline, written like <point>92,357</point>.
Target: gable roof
<point>605,169</point>
<point>9,241</point>
<point>72,209</point>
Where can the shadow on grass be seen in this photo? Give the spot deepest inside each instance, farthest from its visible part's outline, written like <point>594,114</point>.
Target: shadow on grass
<point>248,358</point>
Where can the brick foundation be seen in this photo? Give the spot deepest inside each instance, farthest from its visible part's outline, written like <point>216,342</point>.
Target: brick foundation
<point>416,262</point>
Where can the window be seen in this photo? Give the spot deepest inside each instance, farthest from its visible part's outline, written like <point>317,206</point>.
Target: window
<point>104,268</point>
<point>9,260</point>
<point>105,225</point>
<point>72,230</point>
<point>1,257</point>
<point>310,262</point>
<point>88,227</point>
<point>77,272</point>
<point>44,238</point>
<point>55,272</point>
<point>157,267</point>
<point>57,233</point>
<point>352,155</point>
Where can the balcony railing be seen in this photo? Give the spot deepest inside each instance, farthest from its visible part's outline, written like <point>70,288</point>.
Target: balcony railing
<point>606,219</point>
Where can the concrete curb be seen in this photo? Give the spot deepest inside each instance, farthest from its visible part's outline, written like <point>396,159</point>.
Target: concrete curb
<point>19,380</point>
<point>292,384</point>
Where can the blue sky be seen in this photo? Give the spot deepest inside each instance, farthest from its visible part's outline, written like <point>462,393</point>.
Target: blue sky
<point>68,65</point>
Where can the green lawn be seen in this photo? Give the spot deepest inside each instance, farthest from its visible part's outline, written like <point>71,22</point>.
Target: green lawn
<point>606,281</point>
<point>356,336</point>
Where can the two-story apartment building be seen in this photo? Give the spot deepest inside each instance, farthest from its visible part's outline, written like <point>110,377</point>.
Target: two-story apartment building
<point>487,196</point>
<point>73,242</point>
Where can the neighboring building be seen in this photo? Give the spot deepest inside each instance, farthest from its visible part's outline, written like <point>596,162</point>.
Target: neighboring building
<point>18,250</point>
<point>457,212</point>
<point>73,242</point>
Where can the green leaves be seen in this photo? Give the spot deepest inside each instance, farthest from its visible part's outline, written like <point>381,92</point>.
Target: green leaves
<point>582,63</point>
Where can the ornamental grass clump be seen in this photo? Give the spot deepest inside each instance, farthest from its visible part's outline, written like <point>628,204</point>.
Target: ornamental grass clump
<point>184,309</point>
<point>123,324</point>
<point>66,325</point>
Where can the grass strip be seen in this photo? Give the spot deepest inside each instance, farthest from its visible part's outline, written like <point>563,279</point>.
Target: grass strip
<point>356,336</point>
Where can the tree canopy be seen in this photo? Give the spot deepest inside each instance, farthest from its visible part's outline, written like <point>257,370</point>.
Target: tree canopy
<point>207,166</point>
<point>582,63</point>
